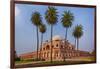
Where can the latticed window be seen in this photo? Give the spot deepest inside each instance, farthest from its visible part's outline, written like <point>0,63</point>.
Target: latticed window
<point>43,48</point>
<point>52,46</point>
<point>57,54</point>
<point>62,46</point>
<point>47,54</point>
<point>57,45</point>
<point>47,47</point>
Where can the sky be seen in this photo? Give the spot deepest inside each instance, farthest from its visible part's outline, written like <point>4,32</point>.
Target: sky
<point>25,31</point>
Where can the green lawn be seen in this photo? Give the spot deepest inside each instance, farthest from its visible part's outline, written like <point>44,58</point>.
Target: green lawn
<point>54,63</point>
<point>69,61</point>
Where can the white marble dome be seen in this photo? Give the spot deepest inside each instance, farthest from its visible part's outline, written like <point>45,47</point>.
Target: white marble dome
<point>56,37</point>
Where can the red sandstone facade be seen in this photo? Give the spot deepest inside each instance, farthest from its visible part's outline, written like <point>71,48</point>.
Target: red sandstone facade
<point>59,51</point>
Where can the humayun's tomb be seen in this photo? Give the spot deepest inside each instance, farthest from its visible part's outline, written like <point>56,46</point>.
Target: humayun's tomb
<point>58,51</point>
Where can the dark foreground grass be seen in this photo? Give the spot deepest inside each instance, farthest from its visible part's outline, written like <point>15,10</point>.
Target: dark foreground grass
<point>54,63</point>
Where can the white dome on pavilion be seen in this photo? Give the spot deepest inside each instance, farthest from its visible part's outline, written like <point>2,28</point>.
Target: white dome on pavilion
<point>56,37</point>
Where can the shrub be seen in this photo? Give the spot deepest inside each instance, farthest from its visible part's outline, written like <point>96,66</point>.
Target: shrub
<point>17,59</point>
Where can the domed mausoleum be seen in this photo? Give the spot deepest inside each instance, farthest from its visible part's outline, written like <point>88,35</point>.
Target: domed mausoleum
<point>59,50</point>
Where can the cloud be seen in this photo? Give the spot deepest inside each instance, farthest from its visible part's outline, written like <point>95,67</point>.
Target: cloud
<point>17,11</point>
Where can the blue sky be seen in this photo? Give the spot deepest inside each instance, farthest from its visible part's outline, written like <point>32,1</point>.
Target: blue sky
<point>25,31</point>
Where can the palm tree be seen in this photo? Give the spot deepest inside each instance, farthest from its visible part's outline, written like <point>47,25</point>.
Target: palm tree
<point>74,34</point>
<point>67,19</point>
<point>42,29</point>
<point>36,20</point>
<point>51,18</point>
<point>77,33</point>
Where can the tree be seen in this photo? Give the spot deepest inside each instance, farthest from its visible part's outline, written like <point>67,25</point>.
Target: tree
<point>17,58</point>
<point>77,33</point>
<point>36,20</point>
<point>51,18</point>
<point>42,29</point>
<point>66,20</point>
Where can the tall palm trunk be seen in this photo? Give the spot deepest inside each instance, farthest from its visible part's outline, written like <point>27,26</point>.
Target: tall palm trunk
<point>77,43</point>
<point>65,44</point>
<point>41,44</point>
<point>37,41</point>
<point>51,40</point>
<point>66,36</point>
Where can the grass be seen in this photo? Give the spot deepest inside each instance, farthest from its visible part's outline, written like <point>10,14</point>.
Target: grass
<point>87,58</point>
<point>54,63</point>
<point>71,61</point>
